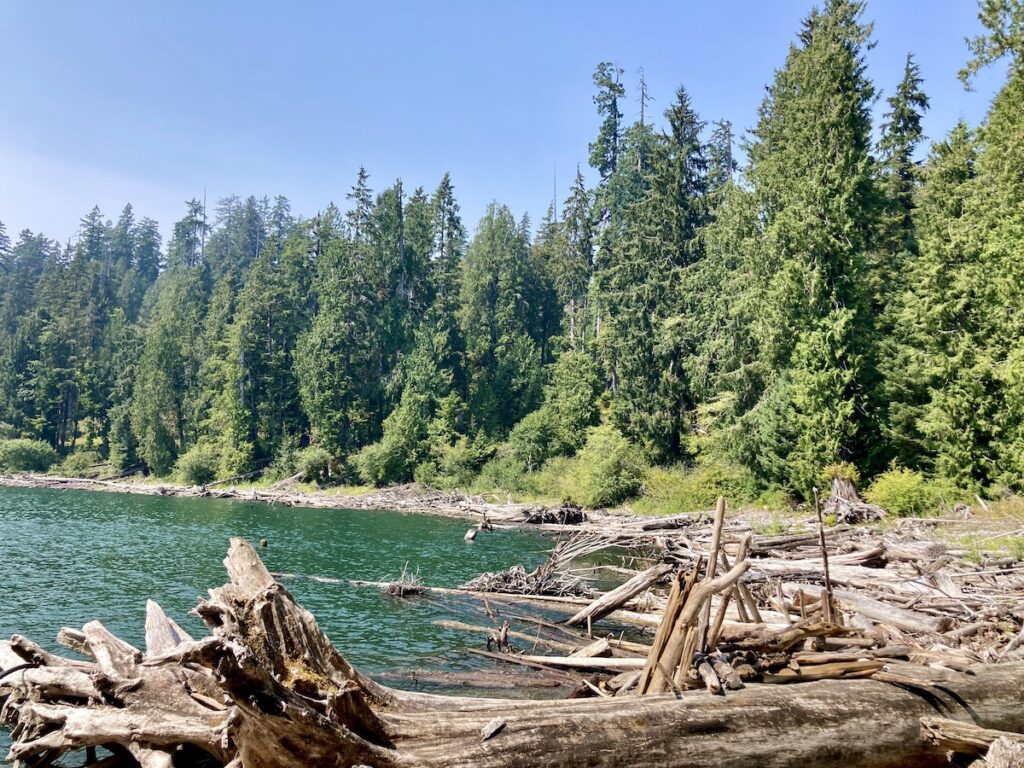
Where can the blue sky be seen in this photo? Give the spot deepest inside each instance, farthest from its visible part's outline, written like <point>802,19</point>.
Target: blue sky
<point>109,101</point>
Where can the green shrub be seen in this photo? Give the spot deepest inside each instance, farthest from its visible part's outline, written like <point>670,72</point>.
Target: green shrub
<point>426,473</point>
<point>502,473</point>
<point>373,465</point>
<point>313,463</point>
<point>456,465</point>
<point>7,431</point>
<point>775,498</point>
<point>609,471</point>
<point>905,493</point>
<point>530,441</point>
<point>669,491</point>
<point>235,460</point>
<point>404,445</point>
<point>80,464</point>
<point>198,465</point>
<point>23,455</point>
<point>553,481</point>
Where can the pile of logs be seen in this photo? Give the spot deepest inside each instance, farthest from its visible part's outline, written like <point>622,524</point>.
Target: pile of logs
<point>837,602</point>
<point>267,689</point>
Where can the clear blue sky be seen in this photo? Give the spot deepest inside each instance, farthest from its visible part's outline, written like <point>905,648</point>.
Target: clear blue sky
<point>110,101</point>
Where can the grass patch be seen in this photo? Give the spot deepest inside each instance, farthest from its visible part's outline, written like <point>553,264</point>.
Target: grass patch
<point>776,525</point>
<point>977,548</point>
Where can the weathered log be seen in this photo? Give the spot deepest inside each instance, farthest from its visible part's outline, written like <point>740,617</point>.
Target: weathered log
<point>290,699</point>
<point>847,507</point>
<point>959,736</point>
<point>676,597</point>
<point>701,640</point>
<point>621,595</point>
<point>901,618</point>
<point>1004,753</point>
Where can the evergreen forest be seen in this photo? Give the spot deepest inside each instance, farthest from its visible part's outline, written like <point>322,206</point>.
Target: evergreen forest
<point>846,301</point>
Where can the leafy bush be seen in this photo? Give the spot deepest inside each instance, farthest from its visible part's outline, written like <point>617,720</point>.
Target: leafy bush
<point>234,459</point>
<point>23,455</point>
<point>530,441</point>
<point>373,464</point>
<point>198,465</point>
<point>7,431</point>
<point>905,493</point>
<point>80,464</point>
<point>775,499</point>
<point>609,471</point>
<point>456,465</point>
<point>502,473</point>
<point>393,459</point>
<point>313,463</point>
<point>553,480</point>
<point>671,491</point>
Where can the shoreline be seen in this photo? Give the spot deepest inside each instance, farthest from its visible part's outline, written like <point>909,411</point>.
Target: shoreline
<point>410,499</point>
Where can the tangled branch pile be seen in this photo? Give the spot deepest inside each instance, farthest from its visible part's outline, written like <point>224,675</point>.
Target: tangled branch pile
<point>547,579</point>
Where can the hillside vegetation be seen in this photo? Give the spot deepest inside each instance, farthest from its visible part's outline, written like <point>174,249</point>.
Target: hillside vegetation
<point>683,328</point>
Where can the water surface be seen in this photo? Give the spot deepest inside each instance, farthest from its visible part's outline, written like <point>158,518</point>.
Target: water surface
<point>69,557</point>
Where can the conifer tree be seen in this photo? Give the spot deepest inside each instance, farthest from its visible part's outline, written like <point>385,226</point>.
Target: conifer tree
<point>722,165</point>
<point>503,360</point>
<point>935,327</point>
<point>358,217</point>
<point>5,250</point>
<point>572,265</point>
<point>811,170</point>
<point>644,292</point>
<point>335,361</point>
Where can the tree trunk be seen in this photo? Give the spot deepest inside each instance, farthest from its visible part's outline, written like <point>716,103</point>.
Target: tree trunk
<point>268,690</point>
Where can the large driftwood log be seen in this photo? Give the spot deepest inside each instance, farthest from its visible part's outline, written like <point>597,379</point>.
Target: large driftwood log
<point>268,690</point>
<point>621,595</point>
<point>966,738</point>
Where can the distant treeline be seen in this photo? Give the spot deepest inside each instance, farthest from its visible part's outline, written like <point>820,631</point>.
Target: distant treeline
<point>835,302</point>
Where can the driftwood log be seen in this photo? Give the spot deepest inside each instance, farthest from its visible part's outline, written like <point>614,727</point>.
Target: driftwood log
<point>267,689</point>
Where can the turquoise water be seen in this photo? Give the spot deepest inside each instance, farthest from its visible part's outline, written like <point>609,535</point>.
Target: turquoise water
<point>69,557</point>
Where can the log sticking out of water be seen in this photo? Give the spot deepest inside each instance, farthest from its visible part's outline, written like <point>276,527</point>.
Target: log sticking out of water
<point>267,690</point>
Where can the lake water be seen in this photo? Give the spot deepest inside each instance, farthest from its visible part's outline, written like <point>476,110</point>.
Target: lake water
<point>69,557</point>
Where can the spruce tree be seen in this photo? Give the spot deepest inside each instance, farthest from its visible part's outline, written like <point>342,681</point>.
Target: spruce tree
<point>811,170</point>
<point>502,359</point>
<point>936,332</point>
<point>645,292</point>
<point>572,266</point>
<point>335,362</point>
<point>899,177</point>
<point>5,250</point>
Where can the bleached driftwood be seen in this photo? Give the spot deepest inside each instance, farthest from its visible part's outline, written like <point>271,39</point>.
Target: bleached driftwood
<point>267,689</point>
